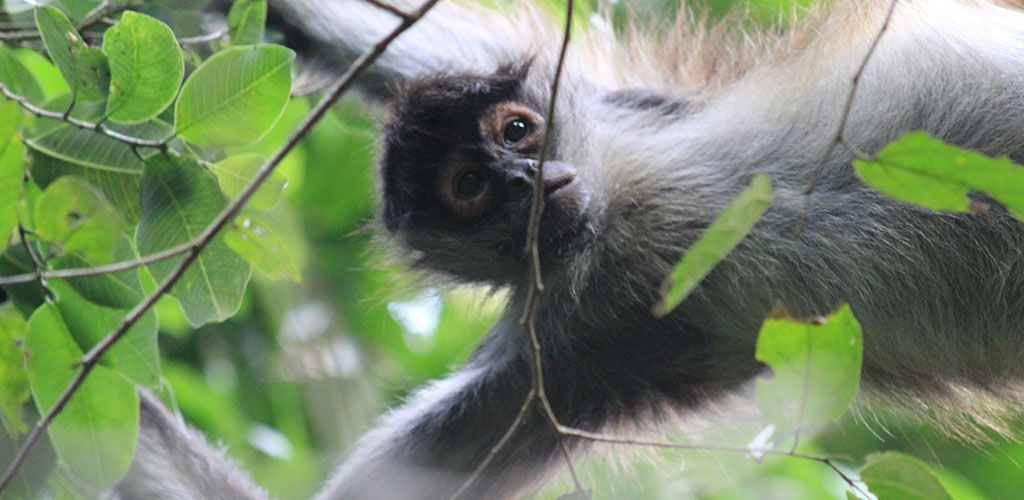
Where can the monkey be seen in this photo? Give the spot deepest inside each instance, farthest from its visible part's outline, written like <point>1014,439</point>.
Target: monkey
<point>649,143</point>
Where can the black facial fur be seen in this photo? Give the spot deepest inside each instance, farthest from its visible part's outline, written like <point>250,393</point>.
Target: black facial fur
<point>458,169</point>
<point>430,118</point>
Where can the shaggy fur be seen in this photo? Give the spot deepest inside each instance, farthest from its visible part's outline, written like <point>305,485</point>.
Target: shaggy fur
<point>664,132</point>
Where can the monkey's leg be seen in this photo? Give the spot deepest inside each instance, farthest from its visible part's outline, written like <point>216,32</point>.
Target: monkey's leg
<point>174,462</point>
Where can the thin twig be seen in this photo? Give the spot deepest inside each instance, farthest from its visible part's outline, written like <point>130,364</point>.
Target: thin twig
<point>532,247</point>
<point>94,15</point>
<point>536,392</point>
<point>80,272</point>
<point>209,37</point>
<point>610,439</point>
<point>388,7</point>
<point>18,36</point>
<point>839,137</point>
<point>37,262</point>
<point>493,453</point>
<point>91,358</point>
<point>94,126</point>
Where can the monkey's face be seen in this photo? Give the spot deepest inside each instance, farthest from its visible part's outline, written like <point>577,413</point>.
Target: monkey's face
<point>459,172</point>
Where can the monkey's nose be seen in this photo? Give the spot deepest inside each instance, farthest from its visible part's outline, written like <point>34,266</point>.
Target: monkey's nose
<point>557,175</point>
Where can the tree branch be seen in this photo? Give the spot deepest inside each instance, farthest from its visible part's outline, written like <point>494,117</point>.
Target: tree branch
<point>91,358</point>
<point>80,272</point>
<point>839,136</point>
<point>94,126</point>
<point>536,393</point>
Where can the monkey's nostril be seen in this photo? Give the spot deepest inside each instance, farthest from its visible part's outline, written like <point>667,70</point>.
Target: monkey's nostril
<point>517,182</point>
<point>555,183</point>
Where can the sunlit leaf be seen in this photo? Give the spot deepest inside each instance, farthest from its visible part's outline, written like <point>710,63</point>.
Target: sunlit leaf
<point>72,216</point>
<point>246,20</point>
<point>235,172</point>
<point>84,68</point>
<point>179,199</point>
<point>727,230</point>
<point>17,78</point>
<point>925,171</point>
<point>14,389</point>
<point>44,72</point>
<point>135,356</point>
<point>95,433</point>
<point>253,238</point>
<point>815,367</point>
<point>896,476</point>
<point>146,67</point>
<point>235,96</point>
<point>12,169</point>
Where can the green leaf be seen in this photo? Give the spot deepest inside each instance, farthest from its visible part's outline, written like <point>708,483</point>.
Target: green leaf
<point>179,199</point>
<point>235,96</point>
<point>235,172</point>
<point>896,476</point>
<point>146,67</point>
<point>17,77</point>
<point>44,72</point>
<point>84,68</point>
<point>95,433</point>
<point>246,20</point>
<point>816,369</point>
<point>75,218</point>
<point>14,389</point>
<point>727,230</point>
<point>106,163</point>
<point>256,240</point>
<point>12,169</point>
<point>925,171</point>
<point>135,356</point>
<point>122,289</point>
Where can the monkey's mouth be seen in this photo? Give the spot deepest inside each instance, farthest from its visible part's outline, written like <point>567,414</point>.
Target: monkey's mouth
<point>564,222</point>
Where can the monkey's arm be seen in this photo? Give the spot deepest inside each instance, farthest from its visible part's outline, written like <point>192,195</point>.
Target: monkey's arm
<point>427,448</point>
<point>174,462</point>
<point>329,35</point>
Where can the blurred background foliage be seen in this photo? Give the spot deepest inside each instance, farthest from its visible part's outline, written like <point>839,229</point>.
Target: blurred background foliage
<point>301,371</point>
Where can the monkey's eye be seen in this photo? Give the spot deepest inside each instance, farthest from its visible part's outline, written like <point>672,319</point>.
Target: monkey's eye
<point>515,130</point>
<point>469,185</point>
<point>464,186</point>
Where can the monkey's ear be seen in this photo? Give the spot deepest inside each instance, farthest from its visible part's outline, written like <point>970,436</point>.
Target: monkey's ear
<point>646,99</point>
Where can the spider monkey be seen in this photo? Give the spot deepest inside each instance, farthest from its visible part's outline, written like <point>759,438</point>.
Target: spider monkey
<point>650,141</point>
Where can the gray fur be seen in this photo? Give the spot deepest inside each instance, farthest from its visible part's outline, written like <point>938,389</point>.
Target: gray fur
<point>940,296</point>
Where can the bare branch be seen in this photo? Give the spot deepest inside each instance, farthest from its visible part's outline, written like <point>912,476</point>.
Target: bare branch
<point>91,358</point>
<point>95,15</point>
<point>209,37</point>
<point>536,393</point>
<point>95,126</point>
<point>388,7</point>
<point>839,137</point>
<point>512,428</point>
<point>532,247</point>
<point>610,439</point>
<point>79,272</point>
